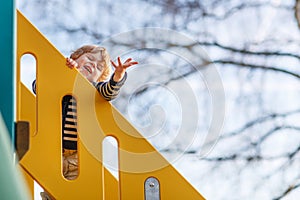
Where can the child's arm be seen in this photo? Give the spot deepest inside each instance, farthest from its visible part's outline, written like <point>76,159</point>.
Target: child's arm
<point>109,90</point>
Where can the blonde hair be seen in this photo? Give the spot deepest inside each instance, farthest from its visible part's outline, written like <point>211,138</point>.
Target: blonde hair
<point>95,49</point>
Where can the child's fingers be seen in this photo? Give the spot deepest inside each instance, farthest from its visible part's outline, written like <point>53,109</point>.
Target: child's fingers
<point>126,65</point>
<point>128,60</point>
<point>114,64</point>
<point>71,63</point>
<point>129,63</point>
<point>134,63</point>
<point>119,61</point>
<point>68,62</point>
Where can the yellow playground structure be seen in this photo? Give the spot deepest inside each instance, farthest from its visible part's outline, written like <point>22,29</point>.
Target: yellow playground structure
<point>143,172</point>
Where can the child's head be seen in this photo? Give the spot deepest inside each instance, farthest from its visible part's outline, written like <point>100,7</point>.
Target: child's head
<point>93,62</point>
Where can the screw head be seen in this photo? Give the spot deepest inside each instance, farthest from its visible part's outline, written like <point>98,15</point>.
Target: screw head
<point>152,184</point>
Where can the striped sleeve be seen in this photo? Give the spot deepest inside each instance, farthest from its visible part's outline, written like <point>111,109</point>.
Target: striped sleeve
<point>69,121</point>
<point>109,90</point>
<point>34,86</point>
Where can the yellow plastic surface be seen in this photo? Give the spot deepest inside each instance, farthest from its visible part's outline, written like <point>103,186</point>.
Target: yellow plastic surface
<point>97,119</point>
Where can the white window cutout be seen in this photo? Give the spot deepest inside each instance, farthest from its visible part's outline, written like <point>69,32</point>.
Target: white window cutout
<point>28,70</point>
<point>110,155</point>
<point>37,191</point>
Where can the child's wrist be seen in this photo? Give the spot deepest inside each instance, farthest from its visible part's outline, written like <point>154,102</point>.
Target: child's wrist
<point>118,77</point>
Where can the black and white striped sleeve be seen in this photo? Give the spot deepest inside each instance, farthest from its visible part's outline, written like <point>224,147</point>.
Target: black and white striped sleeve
<point>34,86</point>
<point>109,90</point>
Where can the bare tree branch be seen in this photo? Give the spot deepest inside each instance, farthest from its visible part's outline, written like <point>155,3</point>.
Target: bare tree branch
<point>272,131</point>
<point>250,158</point>
<point>253,66</point>
<point>245,51</point>
<point>142,44</point>
<point>82,29</point>
<point>287,191</point>
<point>259,120</point>
<point>175,8</point>
<point>242,6</point>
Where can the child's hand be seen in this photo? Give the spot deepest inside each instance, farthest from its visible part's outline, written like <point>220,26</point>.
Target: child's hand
<point>121,68</point>
<point>71,63</point>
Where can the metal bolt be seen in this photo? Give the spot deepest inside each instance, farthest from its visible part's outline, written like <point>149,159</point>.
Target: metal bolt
<point>151,184</point>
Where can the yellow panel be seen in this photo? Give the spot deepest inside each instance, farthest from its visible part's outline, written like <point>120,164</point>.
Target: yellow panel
<point>97,118</point>
<point>110,186</point>
<point>27,103</point>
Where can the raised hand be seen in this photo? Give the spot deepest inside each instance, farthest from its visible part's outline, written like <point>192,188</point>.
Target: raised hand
<point>120,68</point>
